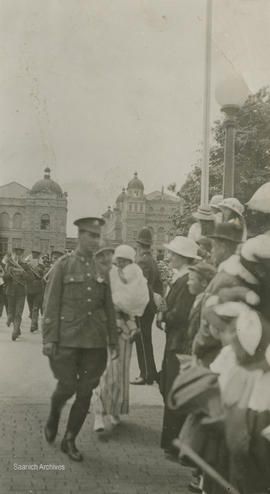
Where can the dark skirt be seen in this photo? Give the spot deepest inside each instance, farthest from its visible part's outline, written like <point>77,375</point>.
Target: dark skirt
<point>172,420</point>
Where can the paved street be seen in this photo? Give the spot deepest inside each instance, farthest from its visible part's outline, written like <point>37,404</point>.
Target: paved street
<point>127,460</point>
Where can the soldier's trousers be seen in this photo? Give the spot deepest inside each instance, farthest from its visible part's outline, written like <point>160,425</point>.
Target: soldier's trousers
<point>144,347</point>
<point>15,310</point>
<point>34,303</point>
<point>78,371</point>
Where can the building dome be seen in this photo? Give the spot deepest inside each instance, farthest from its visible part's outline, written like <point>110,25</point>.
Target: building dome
<point>135,183</point>
<point>121,197</point>
<point>46,185</point>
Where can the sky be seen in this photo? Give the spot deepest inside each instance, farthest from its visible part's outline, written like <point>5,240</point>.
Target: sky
<point>99,89</point>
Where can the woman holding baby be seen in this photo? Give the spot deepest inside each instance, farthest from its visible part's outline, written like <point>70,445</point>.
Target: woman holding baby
<point>130,296</point>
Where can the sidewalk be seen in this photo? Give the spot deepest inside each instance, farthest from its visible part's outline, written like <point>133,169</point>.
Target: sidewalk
<point>127,461</point>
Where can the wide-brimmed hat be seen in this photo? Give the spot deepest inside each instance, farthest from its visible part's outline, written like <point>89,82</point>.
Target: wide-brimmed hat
<point>215,201</point>
<point>183,246</point>
<point>233,204</point>
<point>204,215</point>
<point>125,252</point>
<point>227,231</point>
<point>260,201</point>
<point>145,236</point>
<point>205,270</point>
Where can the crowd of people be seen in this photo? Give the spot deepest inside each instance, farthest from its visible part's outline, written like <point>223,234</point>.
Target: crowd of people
<point>210,295</point>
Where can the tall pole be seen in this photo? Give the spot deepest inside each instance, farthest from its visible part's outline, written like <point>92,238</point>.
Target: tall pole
<point>206,106</point>
<point>229,166</point>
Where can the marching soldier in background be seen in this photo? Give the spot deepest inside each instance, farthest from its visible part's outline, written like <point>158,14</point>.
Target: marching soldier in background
<point>34,288</point>
<point>56,254</point>
<point>78,325</point>
<point>15,277</point>
<point>144,347</point>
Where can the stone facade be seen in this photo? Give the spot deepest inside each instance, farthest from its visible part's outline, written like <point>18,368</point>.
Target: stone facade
<point>134,209</point>
<point>33,218</point>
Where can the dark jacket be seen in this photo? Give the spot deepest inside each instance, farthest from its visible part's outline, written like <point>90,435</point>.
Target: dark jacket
<point>15,282</point>
<point>78,308</point>
<point>151,273</point>
<point>179,302</point>
<point>34,282</point>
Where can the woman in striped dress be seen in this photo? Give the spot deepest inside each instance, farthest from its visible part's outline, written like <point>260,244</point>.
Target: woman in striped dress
<point>130,296</point>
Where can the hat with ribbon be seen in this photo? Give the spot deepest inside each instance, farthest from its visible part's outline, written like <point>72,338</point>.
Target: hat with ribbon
<point>183,246</point>
<point>90,224</point>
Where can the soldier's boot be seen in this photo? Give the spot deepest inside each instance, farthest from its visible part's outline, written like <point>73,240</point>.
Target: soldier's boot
<point>68,446</point>
<point>34,320</point>
<point>51,427</point>
<point>16,332</point>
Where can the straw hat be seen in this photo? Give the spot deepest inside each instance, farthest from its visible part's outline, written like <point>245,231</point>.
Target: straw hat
<point>184,247</point>
<point>233,204</point>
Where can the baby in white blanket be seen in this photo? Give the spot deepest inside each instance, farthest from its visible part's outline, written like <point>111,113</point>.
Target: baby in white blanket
<point>130,292</point>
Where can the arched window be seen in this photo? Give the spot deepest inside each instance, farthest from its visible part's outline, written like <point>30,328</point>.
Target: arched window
<point>161,235</point>
<point>4,221</point>
<point>17,221</point>
<point>151,209</point>
<point>45,222</point>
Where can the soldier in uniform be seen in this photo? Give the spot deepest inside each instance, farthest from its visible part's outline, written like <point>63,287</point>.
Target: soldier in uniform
<point>144,347</point>
<point>34,288</point>
<point>15,279</point>
<point>78,326</point>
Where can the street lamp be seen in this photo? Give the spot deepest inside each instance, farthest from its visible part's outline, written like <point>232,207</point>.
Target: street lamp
<point>231,93</point>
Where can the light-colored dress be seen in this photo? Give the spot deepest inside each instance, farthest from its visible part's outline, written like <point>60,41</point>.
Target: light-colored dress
<point>130,295</point>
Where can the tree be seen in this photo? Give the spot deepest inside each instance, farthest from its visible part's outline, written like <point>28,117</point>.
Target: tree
<point>252,159</point>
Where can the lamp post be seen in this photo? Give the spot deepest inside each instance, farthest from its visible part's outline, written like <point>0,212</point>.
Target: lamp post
<point>230,94</point>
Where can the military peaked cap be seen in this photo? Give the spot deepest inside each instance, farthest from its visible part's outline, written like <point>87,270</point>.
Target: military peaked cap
<point>90,224</point>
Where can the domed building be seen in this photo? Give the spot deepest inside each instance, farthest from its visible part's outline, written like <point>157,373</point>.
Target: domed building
<point>35,218</point>
<point>134,209</point>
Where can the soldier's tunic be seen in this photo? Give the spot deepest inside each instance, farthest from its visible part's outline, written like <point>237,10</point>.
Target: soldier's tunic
<point>78,316</point>
<point>144,345</point>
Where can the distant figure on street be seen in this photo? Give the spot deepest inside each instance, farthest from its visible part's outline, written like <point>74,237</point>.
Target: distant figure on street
<point>34,288</point>
<point>144,346</point>
<point>78,326</point>
<point>15,278</point>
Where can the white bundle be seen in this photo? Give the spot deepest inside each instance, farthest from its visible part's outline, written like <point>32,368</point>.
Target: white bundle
<point>130,291</point>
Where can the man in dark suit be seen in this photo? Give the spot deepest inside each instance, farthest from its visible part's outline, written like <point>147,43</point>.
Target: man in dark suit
<point>144,346</point>
<point>78,325</point>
